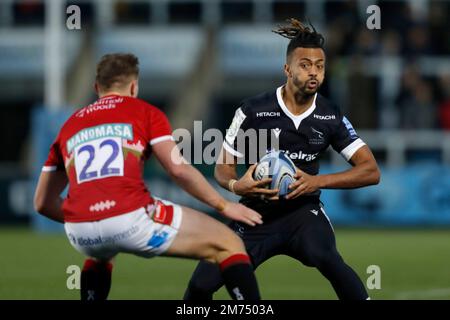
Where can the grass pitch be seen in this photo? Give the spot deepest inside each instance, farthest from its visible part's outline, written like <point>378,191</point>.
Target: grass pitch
<point>414,265</point>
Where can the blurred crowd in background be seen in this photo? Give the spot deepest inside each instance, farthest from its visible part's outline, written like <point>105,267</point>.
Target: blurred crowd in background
<point>418,32</point>
<point>412,30</point>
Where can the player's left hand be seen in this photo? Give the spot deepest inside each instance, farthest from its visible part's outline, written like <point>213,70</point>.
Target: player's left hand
<point>304,184</point>
<point>239,212</point>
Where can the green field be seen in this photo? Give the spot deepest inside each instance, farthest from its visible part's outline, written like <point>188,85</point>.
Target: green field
<point>415,264</point>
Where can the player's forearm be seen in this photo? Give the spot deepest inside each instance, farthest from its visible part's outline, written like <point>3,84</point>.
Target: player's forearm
<point>223,173</point>
<point>362,175</point>
<point>51,209</point>
<point>191,180</point>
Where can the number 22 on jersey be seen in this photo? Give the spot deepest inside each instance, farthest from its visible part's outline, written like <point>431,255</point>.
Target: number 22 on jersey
<point>99,158</point>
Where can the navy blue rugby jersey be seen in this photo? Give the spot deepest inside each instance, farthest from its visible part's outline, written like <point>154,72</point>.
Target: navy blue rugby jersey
<point>263,122</point>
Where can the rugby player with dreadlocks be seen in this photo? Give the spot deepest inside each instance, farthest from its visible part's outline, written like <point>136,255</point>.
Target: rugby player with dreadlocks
<point>306,124</point>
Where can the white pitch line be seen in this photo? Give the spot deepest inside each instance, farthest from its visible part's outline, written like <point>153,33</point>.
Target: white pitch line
<point>428,293</point>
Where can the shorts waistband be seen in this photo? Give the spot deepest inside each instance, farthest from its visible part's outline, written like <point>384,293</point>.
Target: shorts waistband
<point>268,207</point>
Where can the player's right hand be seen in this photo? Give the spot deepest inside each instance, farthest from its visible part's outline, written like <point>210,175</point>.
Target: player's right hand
<point>248,187</point>
<point>239,212</point>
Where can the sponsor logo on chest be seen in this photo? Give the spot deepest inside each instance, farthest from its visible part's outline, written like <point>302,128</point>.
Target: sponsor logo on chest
<point>267,114</point>
<point>317,137</point>
<point>300,155</point>
<point>324,117</point>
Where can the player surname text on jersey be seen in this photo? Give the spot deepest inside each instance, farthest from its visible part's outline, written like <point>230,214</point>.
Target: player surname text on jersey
<point>122,130</point>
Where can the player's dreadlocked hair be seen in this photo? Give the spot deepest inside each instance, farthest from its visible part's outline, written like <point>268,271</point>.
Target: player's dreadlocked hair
<point>300,35</point>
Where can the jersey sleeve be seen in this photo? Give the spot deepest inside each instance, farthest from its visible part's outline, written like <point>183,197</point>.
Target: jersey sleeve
<point>345,140</point>
<point>55,159</point>
<point>159,128</point>
<point>234,140</point>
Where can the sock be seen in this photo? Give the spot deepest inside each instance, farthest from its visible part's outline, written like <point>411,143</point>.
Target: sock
<point>345,281</point>
<point>206,279</point>
<point>95,280</point>
<point>239,277</point>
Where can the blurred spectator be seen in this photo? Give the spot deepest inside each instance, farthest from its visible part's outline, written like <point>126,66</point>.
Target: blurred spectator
<point>439,24</point>
<point>418,41</point>
<point>361,89</point>
<point>343,10</point>
<point>29,12</point>
<point>418,109</point>
<point>132,13</point>
<point>410,79</point>
<point>391,43</point>
<point>342,22</point>
<point>444,106</point>
<point>283,10</point>
<point>395,15</point>
<point>338,35</point>
<point>366,43</point>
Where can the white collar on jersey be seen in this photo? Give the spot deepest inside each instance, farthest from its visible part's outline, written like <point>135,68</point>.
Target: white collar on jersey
<point>296,119</point>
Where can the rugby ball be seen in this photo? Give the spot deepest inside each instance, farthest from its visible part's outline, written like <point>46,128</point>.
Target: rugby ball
<point>278,166</point>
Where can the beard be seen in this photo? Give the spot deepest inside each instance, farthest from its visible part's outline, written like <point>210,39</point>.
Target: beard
<point>306,89</point>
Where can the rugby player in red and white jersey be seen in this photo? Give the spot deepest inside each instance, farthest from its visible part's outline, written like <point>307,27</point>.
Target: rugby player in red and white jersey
<point>100,152</point>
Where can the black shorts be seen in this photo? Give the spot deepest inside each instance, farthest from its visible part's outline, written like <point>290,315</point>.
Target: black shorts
<point>300,230</point>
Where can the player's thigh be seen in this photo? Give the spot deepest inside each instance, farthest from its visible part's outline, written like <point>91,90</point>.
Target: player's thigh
<point>314,241</point>
<point>202,237</point>
<point>262,242</point>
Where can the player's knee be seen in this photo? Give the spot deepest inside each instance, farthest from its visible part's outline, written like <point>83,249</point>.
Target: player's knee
<point>227,245</point>
<point>233,243</point>
<point>322,258</point>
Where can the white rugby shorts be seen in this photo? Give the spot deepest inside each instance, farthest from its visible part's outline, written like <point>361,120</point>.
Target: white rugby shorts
<point>145,232</point>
